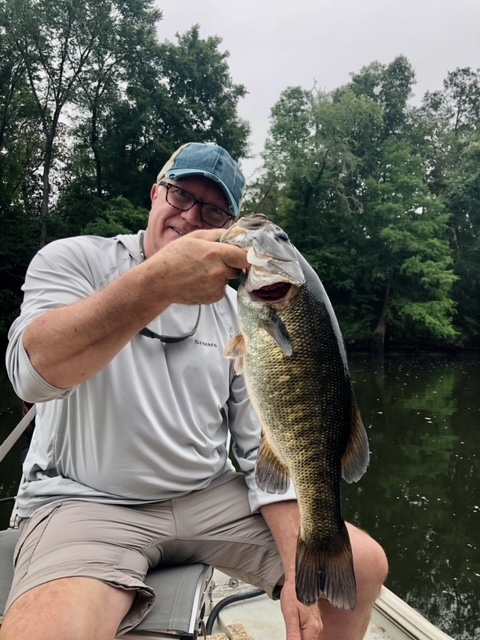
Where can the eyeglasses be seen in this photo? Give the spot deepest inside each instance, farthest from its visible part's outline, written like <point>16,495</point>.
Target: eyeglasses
<point>148,333</point>
<point>184,200</point>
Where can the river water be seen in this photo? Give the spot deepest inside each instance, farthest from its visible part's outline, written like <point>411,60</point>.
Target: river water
<point>420,496</point>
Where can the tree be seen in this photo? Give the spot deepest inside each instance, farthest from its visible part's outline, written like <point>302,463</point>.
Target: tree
<point>125,55</point>
<point>19,164</point>
<point>119,216</point>
<point>199,84</point>
<point>312,155</point>
<point>389,85</point>
<point>175,94</point>
<point>57,42</point>
<point>409,259</point>
<point>351,193</point>
<point>445,131</point>
<point>91,107</point>
<point>462,197</point>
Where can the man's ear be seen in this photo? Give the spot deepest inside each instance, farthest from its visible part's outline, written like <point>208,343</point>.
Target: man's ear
<point>153,192</point>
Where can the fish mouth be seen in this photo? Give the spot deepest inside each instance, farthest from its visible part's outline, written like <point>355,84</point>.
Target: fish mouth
<point>271,292</point>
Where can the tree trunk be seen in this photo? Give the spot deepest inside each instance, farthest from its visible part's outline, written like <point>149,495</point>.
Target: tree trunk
<point>46,191</point>
<point>50,135</point>
<point>378,343</point>
<point>94,138</point>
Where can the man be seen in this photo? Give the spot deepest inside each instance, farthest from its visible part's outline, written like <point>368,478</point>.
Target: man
<point>129,466</point>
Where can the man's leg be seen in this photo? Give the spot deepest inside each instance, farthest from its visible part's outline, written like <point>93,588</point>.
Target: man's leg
<point>371,569</point>
<point>73,608</point>
<point>79,572</point>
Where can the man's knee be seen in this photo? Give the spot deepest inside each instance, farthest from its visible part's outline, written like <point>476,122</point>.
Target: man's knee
<point>75,608</point>
<point>370,560</point>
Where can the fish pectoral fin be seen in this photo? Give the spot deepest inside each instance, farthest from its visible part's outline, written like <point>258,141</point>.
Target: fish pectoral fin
<point>235,346</point>
<point>236,349</point>
<point>357,453</point>
<point>271,475</point>
<point>275,327</point>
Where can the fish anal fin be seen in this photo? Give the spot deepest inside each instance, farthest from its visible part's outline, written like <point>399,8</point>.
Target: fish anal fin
<point>357,453</point>
<point>327,572</point>
<point>275,327</point>
<point>271,474</point>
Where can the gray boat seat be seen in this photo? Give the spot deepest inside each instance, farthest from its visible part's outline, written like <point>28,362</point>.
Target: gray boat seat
<point>178,609</point>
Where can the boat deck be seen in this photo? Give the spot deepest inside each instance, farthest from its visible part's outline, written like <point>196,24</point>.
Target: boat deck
<point>260,618</point>
<point>190,593</point>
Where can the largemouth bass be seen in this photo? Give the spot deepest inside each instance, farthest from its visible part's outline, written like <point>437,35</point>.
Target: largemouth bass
<point>291,351</point>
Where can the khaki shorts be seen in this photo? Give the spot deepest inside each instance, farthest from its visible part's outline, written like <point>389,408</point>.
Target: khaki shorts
<point>118,544</point>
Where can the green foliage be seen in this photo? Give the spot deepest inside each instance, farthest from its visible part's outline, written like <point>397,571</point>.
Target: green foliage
<point>119,216</point>
<point>344,175</point>
<point>382,198</point>
<point>446,131</point>
<point>91,107</point>
<point>199,84</point>
<point>462,196</point>
<point>390,86</point>
<point>174,93</point>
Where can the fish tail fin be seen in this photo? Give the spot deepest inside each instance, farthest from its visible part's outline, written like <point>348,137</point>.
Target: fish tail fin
<point>328,571</point>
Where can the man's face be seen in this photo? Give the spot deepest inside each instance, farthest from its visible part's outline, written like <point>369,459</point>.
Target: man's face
<point>167,223</point>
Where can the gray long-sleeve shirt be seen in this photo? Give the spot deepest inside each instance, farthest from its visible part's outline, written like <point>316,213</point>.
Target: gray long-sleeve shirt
<point>155,422</point>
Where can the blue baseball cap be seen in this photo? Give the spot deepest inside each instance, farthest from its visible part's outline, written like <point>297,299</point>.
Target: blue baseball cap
<point>209,160</point>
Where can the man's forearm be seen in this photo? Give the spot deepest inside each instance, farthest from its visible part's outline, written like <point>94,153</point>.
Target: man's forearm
<point>70,344</point>
<point>283,521</point>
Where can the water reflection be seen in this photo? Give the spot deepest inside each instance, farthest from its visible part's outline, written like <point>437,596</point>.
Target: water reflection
<point>421,494</point>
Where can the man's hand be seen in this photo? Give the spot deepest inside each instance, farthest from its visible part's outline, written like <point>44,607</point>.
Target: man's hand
<point>195,268</point>
<point>302,623</point>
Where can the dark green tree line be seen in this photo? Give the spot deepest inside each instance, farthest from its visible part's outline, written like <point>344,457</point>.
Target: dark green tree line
<point>383,199</point>
<point>91,107</point>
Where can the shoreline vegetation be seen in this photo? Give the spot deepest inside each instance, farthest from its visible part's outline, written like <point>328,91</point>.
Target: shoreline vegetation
<point>381,196</point>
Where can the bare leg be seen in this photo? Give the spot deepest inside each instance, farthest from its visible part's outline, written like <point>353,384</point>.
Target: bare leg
<point>371,569</point>
<point>73,608</point>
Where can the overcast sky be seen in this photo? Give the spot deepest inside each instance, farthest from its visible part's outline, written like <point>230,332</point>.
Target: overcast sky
<point>274,44</point>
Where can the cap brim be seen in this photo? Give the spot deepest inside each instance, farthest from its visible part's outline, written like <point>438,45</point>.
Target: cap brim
<point>183,173</point>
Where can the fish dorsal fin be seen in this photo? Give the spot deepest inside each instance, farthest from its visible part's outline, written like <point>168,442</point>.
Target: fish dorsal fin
<point>271,474</point>
<point>236,349</point>
<point>357,453</point>
<point>275,327</point>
